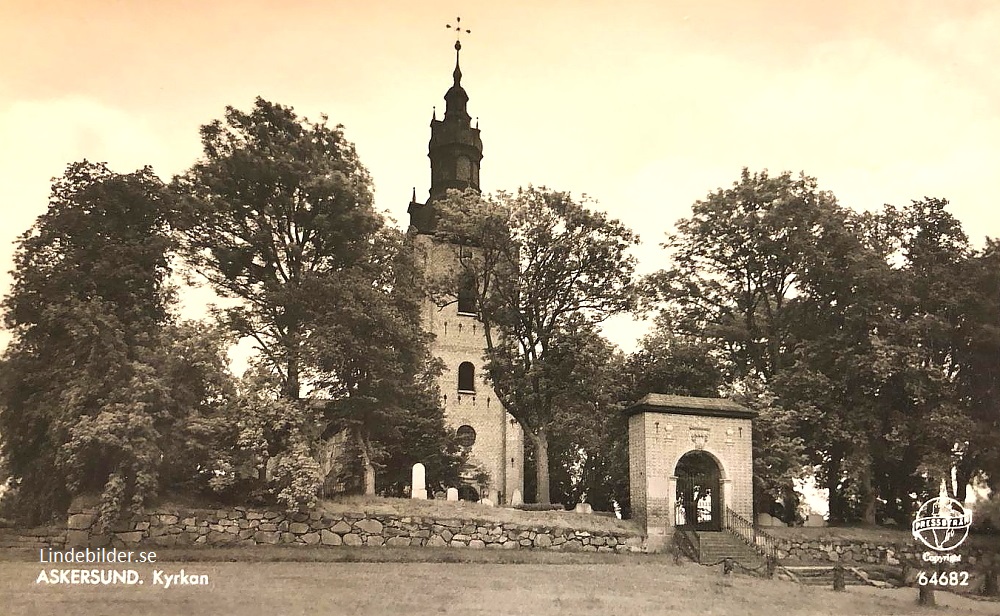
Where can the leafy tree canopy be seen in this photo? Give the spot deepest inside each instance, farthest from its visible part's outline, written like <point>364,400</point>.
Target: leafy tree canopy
<point>275,203</point>
<point>279,215</point>
<point>98,387</point>
<point>542,266</point>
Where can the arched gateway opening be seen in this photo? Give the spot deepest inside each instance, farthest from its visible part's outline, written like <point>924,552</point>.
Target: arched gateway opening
<point>698,498</point>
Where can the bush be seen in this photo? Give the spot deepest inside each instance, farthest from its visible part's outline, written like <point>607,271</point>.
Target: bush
<point>986,516</point>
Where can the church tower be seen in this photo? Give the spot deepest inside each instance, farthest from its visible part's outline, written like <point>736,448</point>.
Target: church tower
<point>493,438</point>
<point>455,150</point>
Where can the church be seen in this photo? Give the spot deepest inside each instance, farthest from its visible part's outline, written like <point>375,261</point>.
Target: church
<point>690,459</point>
<point>492,437</point>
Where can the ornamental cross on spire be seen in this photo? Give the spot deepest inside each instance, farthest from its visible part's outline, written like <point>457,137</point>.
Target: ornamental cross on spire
<point>458,32</point>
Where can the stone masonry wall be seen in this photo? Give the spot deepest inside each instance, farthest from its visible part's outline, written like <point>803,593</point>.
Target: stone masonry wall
<point>33,538</point>
<point>881,553</point>
<point>242,526</point>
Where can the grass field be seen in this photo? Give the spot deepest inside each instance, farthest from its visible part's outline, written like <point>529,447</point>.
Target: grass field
<point>561,584</point>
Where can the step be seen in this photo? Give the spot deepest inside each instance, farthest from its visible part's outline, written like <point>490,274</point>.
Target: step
<point>822,576</point>
<point>716,546</point>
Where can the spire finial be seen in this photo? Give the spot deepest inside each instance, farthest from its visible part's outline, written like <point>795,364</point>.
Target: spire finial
<point>458,32</point>
<point>458,46</point>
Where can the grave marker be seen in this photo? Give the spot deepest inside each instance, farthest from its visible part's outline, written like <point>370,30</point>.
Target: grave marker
<point>419,489</point>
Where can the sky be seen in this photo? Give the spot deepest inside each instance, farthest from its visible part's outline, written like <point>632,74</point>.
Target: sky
<point>644,106</point>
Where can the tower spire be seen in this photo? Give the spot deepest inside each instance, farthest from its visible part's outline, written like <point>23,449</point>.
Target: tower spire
<point>455,149</point>
<point>456,98</point>
<point>458,48</point>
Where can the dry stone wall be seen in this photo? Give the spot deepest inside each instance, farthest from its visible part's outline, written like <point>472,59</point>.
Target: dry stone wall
<point>241,526</point>
<point>34,538</point>
<point>855,552</point>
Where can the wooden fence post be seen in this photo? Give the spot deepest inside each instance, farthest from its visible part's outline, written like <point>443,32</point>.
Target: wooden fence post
<point>926,596</point>
<point>990,583</point>
<point>838,577</point>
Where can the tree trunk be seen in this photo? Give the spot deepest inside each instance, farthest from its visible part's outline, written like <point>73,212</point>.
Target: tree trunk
<point>369,468</point>
<point>963,477</point>
<point>868,496</point>
<point>542,466</point>
<point>833,487</point>
<point>292,387</point>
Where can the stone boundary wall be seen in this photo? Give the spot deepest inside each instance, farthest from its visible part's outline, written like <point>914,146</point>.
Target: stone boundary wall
<point>880,553</point>
<point>242,526</point>
<point>33,538</point>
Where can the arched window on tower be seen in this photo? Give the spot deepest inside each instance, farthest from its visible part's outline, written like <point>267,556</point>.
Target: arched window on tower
<point>466,378</point>
<point>467,295</point>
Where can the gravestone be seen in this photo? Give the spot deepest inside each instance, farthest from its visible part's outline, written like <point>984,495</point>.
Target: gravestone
<point>815,520</point>
<point>516,499</point>
<point>453,494</point>
<point>419,490</point>
<point>583,508</point>
<point>486,502</point>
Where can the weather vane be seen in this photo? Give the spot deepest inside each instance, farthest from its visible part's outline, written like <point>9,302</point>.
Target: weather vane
<point>458,31</point>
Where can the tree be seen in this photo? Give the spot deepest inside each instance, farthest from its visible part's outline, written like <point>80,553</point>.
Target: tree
<point>737,265</point>
<point>540,263</point>
<point>931,338</point>
<point>194,420</point>
<point>81,394</point>
<point>279,215</point>
<point>373,368</point>
<point>979,377</point>
<point>743,265</point>
<point>272,453</point>
<point>582,372</point>
<point>275,203</point>
<point>672,364</point>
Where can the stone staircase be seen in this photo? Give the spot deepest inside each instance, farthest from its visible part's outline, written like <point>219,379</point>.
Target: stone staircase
<point>822,575</point>
<point>713,546</point>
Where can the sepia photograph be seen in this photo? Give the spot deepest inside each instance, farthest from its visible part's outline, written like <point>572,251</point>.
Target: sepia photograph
<point>650,307</point>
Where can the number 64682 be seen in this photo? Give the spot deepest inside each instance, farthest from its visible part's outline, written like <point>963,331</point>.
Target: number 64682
<point>944,578</point>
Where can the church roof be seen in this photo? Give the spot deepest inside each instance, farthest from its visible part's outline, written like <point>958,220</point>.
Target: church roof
<point>690,405</point>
